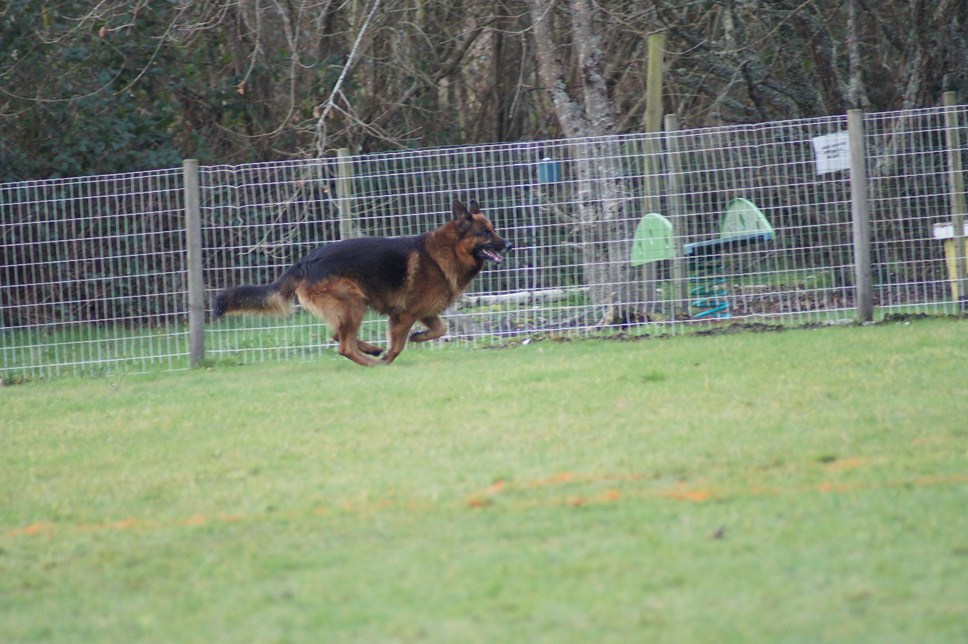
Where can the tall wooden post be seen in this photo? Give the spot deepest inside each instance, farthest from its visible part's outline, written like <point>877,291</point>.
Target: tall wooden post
<point>677,212</point>
<point>860,215</point>
<point>956,180</point>
<point>344,194</point>
<point>652,152</point>
<point>196,280</point>
<point>653,83</point>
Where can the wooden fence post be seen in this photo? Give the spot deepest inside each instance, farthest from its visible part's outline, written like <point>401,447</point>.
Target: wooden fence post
<point>860,215</point>
<point>677,213</point>
<point>652,201</point>
<point>196,281</point>
<point>344,194</point>
<point>956,180</point>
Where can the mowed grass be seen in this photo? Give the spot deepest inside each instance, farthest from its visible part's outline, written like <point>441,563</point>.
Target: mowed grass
<point>808,485</point>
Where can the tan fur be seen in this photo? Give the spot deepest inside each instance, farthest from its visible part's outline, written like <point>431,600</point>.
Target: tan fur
<point>278,305</point>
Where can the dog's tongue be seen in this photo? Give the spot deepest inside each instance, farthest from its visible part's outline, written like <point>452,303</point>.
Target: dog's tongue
<point>494,257</point>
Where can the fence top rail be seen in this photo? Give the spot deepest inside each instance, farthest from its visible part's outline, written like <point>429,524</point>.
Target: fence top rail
<point>86,180</point>
<point>457,150</point>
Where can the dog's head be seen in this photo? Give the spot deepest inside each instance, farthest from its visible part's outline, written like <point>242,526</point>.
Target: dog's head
<point>478,231</point>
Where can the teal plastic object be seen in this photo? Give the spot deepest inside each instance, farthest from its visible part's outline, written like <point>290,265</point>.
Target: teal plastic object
<point>652,241</point>
<point>710,294</point>
<point>742,224</point>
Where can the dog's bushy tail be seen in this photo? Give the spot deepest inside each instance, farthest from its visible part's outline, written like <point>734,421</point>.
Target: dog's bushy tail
<point>270,299</point>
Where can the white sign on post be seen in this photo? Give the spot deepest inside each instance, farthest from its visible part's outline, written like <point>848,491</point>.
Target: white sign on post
<point>832,152</point>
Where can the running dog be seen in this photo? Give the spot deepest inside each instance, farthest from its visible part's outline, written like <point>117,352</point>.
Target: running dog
<point>410,279</point>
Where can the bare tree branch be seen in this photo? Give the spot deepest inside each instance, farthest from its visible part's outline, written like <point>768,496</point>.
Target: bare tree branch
<point>322,111</point>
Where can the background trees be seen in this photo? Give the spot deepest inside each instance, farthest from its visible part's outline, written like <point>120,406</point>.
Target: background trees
<point>90,87</point>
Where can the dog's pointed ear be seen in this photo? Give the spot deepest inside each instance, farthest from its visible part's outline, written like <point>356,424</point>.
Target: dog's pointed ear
<point>460,210</point>
<point>463,216</point>
<point>475,209</point>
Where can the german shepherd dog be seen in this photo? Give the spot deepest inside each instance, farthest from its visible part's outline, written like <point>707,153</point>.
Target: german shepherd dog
<point>410,279</point>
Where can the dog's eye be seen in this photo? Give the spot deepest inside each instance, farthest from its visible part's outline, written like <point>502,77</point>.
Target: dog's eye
<point>486,234</point>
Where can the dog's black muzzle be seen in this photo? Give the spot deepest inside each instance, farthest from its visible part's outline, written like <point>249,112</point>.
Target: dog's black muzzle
<point>495,250</point>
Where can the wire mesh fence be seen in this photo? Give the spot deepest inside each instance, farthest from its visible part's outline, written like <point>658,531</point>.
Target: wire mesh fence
<point>632,234</point>
<point>91,274</point>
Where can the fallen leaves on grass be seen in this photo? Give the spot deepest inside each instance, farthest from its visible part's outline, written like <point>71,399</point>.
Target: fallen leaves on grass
<point>523,497</point>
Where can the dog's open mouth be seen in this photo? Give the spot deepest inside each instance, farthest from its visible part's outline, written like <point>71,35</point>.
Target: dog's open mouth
<point>491,255</point>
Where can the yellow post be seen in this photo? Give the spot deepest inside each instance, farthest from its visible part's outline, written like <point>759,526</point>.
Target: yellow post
<point>951,261</point>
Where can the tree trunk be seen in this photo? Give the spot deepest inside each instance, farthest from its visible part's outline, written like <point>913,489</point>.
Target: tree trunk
<point>602,200</point>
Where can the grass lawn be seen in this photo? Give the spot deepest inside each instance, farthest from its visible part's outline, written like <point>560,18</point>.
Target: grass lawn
<point>807,485</point>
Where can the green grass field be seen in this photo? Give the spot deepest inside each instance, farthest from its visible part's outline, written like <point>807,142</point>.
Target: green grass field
<point>807,485</point>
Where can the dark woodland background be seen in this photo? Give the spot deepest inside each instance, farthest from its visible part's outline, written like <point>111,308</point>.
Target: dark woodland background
<point>101,87</point>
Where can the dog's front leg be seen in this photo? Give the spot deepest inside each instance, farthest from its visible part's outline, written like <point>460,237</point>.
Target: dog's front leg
<point>435,329</point>
<point>398,328</point>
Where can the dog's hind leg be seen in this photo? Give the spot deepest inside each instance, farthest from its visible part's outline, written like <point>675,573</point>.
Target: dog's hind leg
<point>342,305</point>
<point>349,346</point>
<point>364,346</point>
<point>345,320</point>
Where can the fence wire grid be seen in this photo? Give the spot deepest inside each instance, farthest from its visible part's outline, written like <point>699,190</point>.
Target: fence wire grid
<point>638,233</point>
